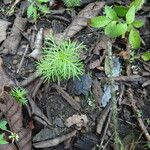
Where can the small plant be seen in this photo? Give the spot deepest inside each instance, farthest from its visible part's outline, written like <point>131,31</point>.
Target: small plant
<point>60,61</point>
<point>3,127</point>
<point>72,3</point>
<point>35,7</point>
<point>20,95</point>
<point>120,20</point>
<point>146,56</point>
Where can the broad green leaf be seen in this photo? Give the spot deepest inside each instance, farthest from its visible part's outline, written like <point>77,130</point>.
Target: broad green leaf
<point>146,56</point>
<point>121,10</point>
<point>130,16</point>
<point>99,21</point>
<point>32,12</point>
<point>2,140</point>
<point>110,13</point>
<point>138,23</point>
<point>3,124</point>
<point>43,9</point>
<point>115,30</point>
<point>42,1</point>
<point>138,4</point>
<point>134,39</point>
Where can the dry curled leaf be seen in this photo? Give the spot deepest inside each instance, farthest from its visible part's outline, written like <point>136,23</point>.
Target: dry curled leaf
<point>80,21</point>
<point>13,114</point>
<point>78,120</point>
<point>12,42</point>
<point>3,27</point>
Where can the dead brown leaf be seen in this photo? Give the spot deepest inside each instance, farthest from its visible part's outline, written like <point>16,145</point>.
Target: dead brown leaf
<point>3,27</point>
<point>4,80</point>
<point>78,120</point>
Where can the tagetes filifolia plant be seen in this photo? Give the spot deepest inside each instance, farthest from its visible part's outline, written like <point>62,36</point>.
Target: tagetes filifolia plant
<point>60,61</point>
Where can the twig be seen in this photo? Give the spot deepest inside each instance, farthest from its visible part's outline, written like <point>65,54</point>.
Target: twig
<point>29,79</point>
<point>25,52</point>
<point>54,142</point>
<point>139,119</point>
<point>67,97</point>
<point>105,130</point>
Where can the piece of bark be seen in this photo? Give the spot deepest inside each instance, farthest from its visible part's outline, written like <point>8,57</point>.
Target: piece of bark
<point>56,141</point>
<point>13,113</point>
<point>3,27</point>
<point>37,52</point>
<point>81,20</point>
<point>11,43</point>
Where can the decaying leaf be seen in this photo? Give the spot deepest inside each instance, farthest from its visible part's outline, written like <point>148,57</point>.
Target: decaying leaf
<point>3,27</point>
<point>4,80</point>
<point>11,43</point>
<point>13,113</point>
<point>78,120</point>
<point>10,146</point>
<point>81,20</point>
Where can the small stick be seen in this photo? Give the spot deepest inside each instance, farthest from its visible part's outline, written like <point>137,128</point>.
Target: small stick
<point>25,52</point>
<point>68,98</point>
<point>139,119</point>
<point>55,141</point>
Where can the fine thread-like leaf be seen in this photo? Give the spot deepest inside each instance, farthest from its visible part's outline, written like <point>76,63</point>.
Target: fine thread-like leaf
<point>134,39</point>
<point>130,16</point>
<point>99,21</point>
<point>110,13</point>
<point>42,1</point>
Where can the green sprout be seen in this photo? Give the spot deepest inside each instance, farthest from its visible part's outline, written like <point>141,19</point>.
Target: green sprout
<point>60,62</point>
<point>120,20</point>
<point>20,95</point>
<point>35,7</point>
<point>13,136</point>
<point>72,3</point>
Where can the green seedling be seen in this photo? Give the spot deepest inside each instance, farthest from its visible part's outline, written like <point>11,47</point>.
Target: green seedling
<point>120,21</point>
<point>35,7</point>
<point>20,95</point>
<point>60,62</point>
<point>72,3</point>
<point>146,56</point>
<point>3,127</point>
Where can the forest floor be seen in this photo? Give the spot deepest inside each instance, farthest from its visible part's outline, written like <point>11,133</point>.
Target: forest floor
<point>73,114</point>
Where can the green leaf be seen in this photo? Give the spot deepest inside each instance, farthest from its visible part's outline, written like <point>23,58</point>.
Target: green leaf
<point>130,16</point>
<point>115,30</point>
<point>3,124</point>
<point>137,4</point>
<point>146,56</point>
<point>43,9</point>
<point>110,13</point>
<point>32,12</point>
<point>121,10</point>
<point>2,140</point>
<point>138,23</point>
<point>99,21</point>
<point>42,1</point>
<point>134,39</point>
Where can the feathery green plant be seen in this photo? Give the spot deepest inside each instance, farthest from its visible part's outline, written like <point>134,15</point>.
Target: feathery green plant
<point>20,95</point>
<point>61,61</point>
<point>72,3</point>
